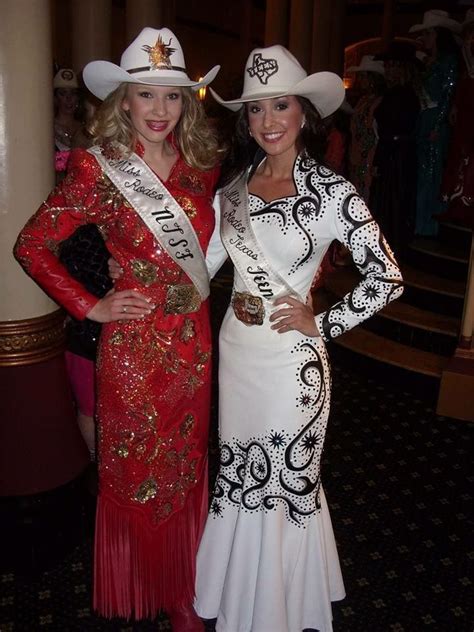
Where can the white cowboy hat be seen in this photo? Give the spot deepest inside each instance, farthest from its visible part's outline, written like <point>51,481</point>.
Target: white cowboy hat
<point>274,72</point>
<point>155,57</point>
<point>65,78</point>
<point>434,18</point>
<point>368,64</point>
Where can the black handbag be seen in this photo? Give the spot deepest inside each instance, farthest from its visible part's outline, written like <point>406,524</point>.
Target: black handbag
<point>85,256</point>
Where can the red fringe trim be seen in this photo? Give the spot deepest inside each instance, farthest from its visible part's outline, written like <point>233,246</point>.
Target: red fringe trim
<point>140,570</point>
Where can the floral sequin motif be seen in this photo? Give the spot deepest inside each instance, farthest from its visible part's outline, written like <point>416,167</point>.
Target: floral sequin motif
<point>201,361</point>
<point>112,151</point>
<point>191,182</point>
<point>187,205</point>
<point>117,338</point>
<point>108,193</point>
<point>147,490</point>
<point>122,451</point>
<point>182,299</point>
<point>188,331</point>
<point>187,426</point>
<point>168,469</point>
<point>144,271</point>
<point>148,380</point>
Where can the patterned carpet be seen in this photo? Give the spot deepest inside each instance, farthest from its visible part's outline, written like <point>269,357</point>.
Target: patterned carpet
<point>398,480</point>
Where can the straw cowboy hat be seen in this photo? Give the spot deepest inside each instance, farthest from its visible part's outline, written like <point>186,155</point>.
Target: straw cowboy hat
<point>368,64</point>
<point>155,57</point>
<point>65,78</point>
<point>434,18</point>
<point>274,72</point>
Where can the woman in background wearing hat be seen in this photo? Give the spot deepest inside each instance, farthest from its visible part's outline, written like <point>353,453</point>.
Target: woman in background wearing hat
<point>83,253</point>
<point>458,183</point>
<point>148,183</point>
<point>393,193</point>
<point>68,116</point>
<point>436,35</point>
<point>268,560</point>
<point>371,84</point>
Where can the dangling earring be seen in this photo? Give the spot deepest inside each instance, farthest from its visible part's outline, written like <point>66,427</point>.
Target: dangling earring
<point>303,123</point>
<point>250,132</point>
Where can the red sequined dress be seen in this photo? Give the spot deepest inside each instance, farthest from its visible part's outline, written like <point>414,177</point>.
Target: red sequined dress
<point>153,387</point>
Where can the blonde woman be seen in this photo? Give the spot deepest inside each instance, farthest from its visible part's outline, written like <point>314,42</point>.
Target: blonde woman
<point>148,182</point>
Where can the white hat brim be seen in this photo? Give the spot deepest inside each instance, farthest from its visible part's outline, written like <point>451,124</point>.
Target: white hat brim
<point>377,69</point>
<point>325,90</point>
<point>447,23</point>
<point>103,77</point>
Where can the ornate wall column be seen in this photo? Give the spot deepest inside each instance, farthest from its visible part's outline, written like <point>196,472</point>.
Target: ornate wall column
<point>246,29</point>
<point>301,27</point>
<point>40,445</point>
<point>321,36</point>
<point>141,13</point>
<point>336,50</point>
<point>467,328</point>
<point>276,22</point>
<point>456,393</point>
<point>327,51</point>
<point>91,31</point>
<point>388,23</point>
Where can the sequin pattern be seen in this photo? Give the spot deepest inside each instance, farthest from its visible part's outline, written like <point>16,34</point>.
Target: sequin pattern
<point>153,373</point>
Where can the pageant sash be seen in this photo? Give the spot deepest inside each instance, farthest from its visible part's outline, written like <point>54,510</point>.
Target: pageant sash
<point>159,210</point>
<point>243,247</point>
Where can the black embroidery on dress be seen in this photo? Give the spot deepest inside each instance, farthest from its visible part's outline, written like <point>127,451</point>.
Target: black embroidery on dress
<point>300,208</point>
<point>266,472</point>
<point>335,328</point>
<point>323,173</point>
<point>268,209</point>
<point>277,440</point>
<point>356,224</point>
<point>369,259</point>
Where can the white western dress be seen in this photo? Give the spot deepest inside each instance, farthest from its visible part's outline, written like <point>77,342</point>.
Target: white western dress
<point>268,560</point>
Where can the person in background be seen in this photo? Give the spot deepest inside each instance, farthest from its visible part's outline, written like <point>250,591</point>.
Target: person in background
<point>267,559</point>
<point>393,194</point>
<point>336,156</point>
<point>458,183</point>
<point>148,182</point>
<point>68,117</point>
<point>83,253</point>
<point>85,256</point>
<point>436,37</point>
<point>371,85</point>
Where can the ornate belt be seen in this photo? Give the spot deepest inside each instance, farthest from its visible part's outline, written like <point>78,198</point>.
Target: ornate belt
<point>182,299</point>
<point>248,308</point>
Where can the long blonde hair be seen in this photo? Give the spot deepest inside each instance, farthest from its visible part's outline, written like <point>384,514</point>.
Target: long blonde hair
<point>193,135</point>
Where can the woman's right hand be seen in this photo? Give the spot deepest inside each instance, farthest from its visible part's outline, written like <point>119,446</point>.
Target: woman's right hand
<point>115,271</point>
<point>123,305</point>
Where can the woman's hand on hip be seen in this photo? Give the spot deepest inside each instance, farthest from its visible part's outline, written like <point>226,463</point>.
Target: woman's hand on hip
<point>297,316</point>
<point>123,305</point>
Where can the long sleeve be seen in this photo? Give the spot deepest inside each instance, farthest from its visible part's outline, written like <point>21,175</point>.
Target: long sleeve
<point>382,280</point>
<point>67,207</point>
<point>216,253</point>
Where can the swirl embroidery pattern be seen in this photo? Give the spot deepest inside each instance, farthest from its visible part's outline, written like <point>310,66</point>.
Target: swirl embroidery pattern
<point>279,468</point>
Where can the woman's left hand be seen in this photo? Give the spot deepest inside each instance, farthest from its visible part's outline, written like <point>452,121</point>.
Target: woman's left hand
<point>297,316</point>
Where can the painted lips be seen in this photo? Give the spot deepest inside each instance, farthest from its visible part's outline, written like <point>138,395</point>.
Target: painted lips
<point>157,126</point>
<point>273,137</point>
